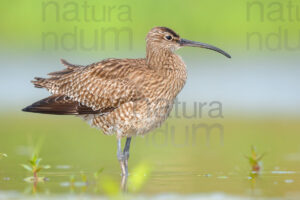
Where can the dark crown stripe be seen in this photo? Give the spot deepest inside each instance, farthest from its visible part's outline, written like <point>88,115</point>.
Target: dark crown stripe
<point>170,31</point>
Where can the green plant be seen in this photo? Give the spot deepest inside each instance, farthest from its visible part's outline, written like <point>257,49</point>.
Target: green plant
<point>72,180</point>
<point>35,167</point>
<point>97,173</point>
<point>255,160</point>
<point>84,178</point>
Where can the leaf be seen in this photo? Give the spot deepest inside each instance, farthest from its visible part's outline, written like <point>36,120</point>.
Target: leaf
<point>46,166</point>
<point>72,179</point>
<point>32,163</point>
<point>97,173</point>
<point>34,157</point>
<point>27,167</point>
<point>83,177</point>
<point>37,162</point>
<point>33,160</point>
<point>38,169</point>
<point>261,156</point>
<point>31,179</point>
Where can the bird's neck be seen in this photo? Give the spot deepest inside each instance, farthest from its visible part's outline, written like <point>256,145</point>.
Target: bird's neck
<point>167,63</point>
<point>162,59</point>
<point>170,66</point>
<point>156,57</point>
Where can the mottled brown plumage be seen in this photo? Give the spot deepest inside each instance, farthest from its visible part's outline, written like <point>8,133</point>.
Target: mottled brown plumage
<point>126,97</point>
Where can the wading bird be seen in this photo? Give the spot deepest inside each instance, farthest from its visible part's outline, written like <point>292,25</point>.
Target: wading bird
<point>125,97</point>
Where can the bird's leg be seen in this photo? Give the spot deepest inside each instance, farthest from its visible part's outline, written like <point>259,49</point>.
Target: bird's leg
<point>121,157</point>
<point>126,154</point>
<point>124,184</point>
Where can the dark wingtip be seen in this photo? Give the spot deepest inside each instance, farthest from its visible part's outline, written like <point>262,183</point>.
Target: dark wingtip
<point>26,109</point>
<point>63,61</point>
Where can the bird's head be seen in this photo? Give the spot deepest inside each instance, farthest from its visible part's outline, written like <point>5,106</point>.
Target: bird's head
<point>165,38</point>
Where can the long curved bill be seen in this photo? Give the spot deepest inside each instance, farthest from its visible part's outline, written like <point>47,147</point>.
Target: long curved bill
<point>184,42</point>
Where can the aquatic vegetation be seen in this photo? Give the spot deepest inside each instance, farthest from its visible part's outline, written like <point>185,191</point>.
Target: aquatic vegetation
<point>84,182</point>
<point>97,173</point>
<point>3,155</point>
<point>84,178</point>
<point>72,181</point>
<point>256,165</point>
<point>35,168</point>
<point>255,160</point>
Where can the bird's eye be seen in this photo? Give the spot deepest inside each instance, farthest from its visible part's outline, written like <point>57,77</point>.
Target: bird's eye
<point>168,37</point>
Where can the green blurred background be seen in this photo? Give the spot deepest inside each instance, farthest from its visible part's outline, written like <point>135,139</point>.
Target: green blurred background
<point>258,90</point>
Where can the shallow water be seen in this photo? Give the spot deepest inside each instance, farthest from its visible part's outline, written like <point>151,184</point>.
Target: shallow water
<point>160,185</point>
<point>174,165</point>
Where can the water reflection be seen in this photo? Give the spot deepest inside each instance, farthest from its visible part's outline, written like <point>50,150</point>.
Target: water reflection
<point>34,187</point>
<point>124,181</point>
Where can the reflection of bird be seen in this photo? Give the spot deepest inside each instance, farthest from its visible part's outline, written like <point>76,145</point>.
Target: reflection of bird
<point>126,97</point>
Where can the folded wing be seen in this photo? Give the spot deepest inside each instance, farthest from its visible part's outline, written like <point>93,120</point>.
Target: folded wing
<point>93,89</point>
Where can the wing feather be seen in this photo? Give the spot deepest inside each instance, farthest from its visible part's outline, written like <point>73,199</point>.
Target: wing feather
<point>61,105</point>
<point>98,86</point>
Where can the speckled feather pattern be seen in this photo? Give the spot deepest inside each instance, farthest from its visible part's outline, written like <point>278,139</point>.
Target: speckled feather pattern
<point>133,96</point>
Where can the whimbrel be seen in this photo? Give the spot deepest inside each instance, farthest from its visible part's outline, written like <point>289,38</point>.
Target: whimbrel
<point>125,97</point>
